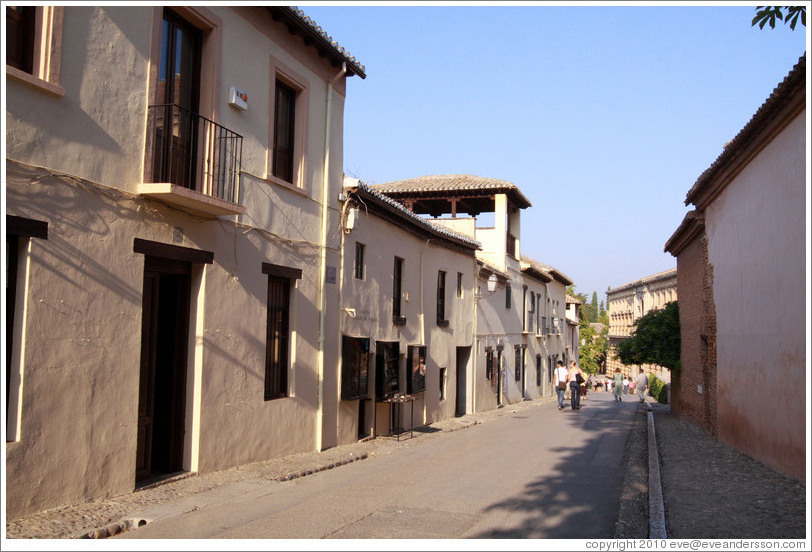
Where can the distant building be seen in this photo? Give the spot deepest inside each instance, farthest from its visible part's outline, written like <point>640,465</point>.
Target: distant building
<point>630,302</point>
<point>741,281</point>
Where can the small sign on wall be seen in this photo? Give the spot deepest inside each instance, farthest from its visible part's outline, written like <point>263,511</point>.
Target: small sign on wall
<point>330,276</point>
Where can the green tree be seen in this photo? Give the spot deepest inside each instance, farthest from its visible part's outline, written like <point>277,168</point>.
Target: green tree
<point>595,306</point>
<point>593,348</point>
<point>655,339</point>
<point>768,14</point>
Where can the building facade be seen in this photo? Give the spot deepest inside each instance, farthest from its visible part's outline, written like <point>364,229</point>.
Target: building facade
<point>172,180</point>
<point>741,279</point>
<point>520,324</point>
<point>628,303</point>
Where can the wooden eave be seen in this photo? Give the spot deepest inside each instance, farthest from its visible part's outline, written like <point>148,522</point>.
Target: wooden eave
<point>691,227</point>
<point>311,37</point>
<point>403,221</point>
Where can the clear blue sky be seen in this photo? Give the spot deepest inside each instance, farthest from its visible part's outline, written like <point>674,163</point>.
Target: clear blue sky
<point>604,116</point>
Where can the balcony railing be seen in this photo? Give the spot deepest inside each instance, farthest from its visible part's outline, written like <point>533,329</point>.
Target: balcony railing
<point>191,151</point>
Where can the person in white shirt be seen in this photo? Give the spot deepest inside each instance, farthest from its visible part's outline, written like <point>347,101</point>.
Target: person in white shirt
<point>642,383</point>
<point>560,379</point>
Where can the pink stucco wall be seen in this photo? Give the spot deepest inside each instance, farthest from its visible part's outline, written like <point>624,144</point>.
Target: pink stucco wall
<point>756,248</point>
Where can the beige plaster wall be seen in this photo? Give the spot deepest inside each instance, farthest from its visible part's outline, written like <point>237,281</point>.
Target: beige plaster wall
<point>756,237</point>
<point>83,330</point>
<point>371,299</point>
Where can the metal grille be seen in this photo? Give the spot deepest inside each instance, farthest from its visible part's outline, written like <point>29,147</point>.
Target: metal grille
<point>276,361</point>
<point>192,151</point>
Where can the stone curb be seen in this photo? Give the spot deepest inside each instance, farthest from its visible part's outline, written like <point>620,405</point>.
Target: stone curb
<point>656,508</point>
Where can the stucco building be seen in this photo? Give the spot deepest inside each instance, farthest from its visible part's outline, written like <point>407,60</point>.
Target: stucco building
<point>628,303</point>
<point>742,278</point>
<point>172,179</point>
<point>519,327</point>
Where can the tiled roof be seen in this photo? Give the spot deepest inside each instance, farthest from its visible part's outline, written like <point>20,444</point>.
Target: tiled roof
<point>664,275</point>
<point>573,300</point>
<point>794,83</point>
<point>551,272</point>
<point>452,183</point>
<point>353,65</point>
<point>401,211</point>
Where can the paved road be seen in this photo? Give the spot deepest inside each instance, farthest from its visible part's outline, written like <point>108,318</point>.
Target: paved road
<point>538,473</point>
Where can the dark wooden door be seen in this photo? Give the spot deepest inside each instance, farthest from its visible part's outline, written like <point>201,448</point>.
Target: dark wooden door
<point>162,387</point>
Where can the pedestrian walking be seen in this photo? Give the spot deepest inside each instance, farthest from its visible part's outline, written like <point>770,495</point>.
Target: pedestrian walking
<point>617,384</point>
<point>560,379</point>
<point>576,379</point>
<point>625,385</point>
<point>642,383</point>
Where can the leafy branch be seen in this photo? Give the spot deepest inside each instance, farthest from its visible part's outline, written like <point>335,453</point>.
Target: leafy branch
<point>768,14</point>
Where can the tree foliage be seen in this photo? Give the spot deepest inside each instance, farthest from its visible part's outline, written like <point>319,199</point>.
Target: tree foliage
<point>655,339</point>
<point>768,14</point>
<point>592,352</point>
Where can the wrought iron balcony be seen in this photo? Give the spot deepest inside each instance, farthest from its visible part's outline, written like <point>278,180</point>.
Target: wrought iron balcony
<point>192,161</point>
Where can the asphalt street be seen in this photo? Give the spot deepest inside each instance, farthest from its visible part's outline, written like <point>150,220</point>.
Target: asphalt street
<point>536,473</point>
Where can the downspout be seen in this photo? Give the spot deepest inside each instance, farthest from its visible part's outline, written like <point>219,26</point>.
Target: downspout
<point>474,348</point>
<point>422,316</point>
<point>325,189</point>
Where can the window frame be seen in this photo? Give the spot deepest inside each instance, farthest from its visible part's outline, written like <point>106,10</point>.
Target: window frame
<point>20,233</point>
<point>276,382</point>
<point>441,300</point>
<point>281,72</point>
<point>397,292</point>
<point>359,266</point>
<point>47,52</point>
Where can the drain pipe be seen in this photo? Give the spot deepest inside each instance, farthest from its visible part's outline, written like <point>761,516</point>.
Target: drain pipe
<point>422,316</point>
<point>325,190</point>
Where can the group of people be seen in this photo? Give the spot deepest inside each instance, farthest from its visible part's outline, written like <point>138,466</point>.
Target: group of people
<point>572,378</point>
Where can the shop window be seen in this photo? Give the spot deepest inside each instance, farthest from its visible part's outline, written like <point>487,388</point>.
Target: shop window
<point>277,355</point>
<point>416,368</point>
<point>387,382</point>
<point>33,46</point>
<point>354,368</point>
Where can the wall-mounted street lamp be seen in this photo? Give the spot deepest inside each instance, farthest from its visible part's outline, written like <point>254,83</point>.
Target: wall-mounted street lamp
<point>492,281</point>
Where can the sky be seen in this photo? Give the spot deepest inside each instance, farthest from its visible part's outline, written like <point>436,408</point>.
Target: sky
<point>603,115</point>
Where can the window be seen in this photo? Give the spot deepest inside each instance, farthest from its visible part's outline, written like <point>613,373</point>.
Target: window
<point>507,296</point>
<point>280,282</point>
<point>488,363</point>
<point>441,321</point>
<point>359,260</point>
<point>459,285</point>
<point>538,370</point>
<point>397,317</point>
<point>531,312</point>
<point>524,308</point>
<point>519,364</point>
<point>20,37</point>
<point>33,46</point>
<point>443,379</point>
<point>416,368</point>
<point>283,131</point>
<point>354,368</point>
<point>19,232</point>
